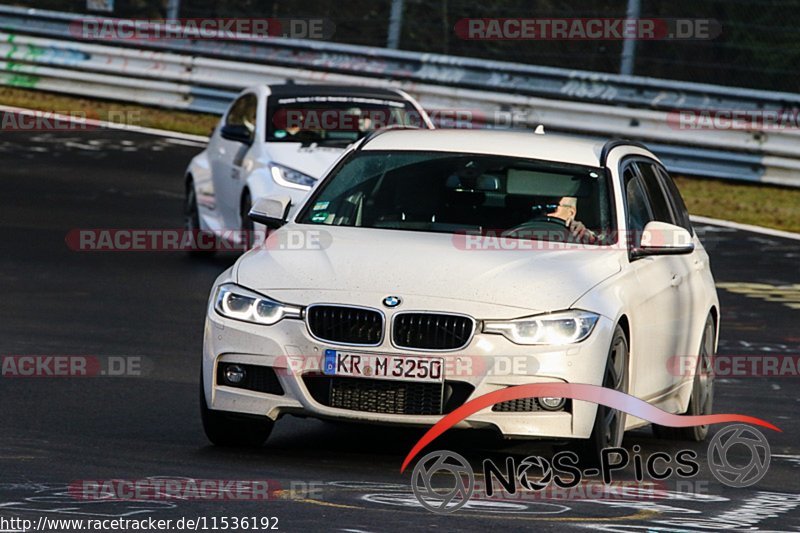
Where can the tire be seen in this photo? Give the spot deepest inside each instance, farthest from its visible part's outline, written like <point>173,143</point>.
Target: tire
<point>247,224</point>
<point>609,424</point>
<point>232,430</point>
<point>701,402</point>
<point>192,220</point>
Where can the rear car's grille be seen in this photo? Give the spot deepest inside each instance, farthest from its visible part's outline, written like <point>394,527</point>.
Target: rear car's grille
<point>345,325</point>
<point>386,396</point>
<point>256,378</point>
<point>431,331</point>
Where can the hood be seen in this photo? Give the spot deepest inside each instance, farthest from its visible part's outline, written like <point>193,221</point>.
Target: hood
<point>312,160</point>
<point>353,263</point>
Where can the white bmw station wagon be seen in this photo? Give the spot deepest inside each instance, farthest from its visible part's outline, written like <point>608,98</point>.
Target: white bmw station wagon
<point>447,264</point>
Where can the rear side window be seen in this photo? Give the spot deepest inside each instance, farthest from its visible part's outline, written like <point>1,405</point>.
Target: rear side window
<point>243,113</point>
<point>638,214</point>
<point>675,198</point>
<point>662,210</point>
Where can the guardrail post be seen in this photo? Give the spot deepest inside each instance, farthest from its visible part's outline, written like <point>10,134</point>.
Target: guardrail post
<point>173,7</point>
<point>395,24</point>
<point>629,44</point>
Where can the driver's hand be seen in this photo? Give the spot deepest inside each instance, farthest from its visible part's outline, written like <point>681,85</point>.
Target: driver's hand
<point>579,231</point>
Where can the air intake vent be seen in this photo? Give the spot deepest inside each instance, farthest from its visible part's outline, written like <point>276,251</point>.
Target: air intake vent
<point>387,396</point>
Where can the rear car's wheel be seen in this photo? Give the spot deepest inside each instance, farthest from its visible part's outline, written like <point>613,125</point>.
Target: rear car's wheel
<point>609,424</point>
<point>192,221</point>
<point>231,429</point>
<point>701,402</point>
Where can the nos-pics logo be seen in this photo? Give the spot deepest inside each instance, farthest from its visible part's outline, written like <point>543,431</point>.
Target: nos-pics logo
<point>443,481</point>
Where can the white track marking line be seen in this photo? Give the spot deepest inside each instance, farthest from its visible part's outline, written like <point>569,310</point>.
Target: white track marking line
<point>746,227</point>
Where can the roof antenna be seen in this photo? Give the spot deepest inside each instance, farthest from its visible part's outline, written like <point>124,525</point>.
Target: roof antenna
<point>539,129</point>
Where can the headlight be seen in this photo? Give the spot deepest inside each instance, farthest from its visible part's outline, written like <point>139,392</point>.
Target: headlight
<point>236,302</point>
<point>566,327</point>
<point>291,178</point>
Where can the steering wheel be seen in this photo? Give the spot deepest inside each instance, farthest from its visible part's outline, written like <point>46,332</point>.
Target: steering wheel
<point>548,229</point>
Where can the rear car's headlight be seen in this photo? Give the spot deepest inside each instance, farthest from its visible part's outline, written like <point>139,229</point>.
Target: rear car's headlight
<point>233,301</point>
<point>291,178</point>
<point>565,327</point>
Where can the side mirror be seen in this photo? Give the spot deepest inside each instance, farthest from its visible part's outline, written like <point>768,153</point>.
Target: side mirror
<point>660,238</point>
<point>271,211</point>
<point>236,132</point>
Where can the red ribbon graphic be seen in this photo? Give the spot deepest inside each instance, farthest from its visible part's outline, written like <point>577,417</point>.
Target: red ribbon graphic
<point>577,391</point>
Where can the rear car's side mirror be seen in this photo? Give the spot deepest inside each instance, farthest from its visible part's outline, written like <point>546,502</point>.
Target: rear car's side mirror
<point>272,211</point>
<point>660,238</point>
<point>236,132</point>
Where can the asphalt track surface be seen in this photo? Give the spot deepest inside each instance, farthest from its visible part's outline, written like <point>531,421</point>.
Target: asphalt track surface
<point>57,431</point>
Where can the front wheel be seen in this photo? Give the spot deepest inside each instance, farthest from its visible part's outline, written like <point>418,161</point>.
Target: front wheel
<point>609,424</point>
<point>230,429</point>
<point>701,402</point>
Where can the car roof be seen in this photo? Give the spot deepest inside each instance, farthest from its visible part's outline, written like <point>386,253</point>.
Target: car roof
<point>289,90</point>
<point>547,147</point>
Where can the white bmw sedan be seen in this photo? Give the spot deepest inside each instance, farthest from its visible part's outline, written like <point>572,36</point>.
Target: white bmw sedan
<point>438,266</point>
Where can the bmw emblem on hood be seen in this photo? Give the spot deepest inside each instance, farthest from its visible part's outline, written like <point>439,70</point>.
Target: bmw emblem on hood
<point>391,301</point>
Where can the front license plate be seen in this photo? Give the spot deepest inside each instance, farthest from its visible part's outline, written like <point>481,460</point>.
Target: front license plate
<point>377,366</point>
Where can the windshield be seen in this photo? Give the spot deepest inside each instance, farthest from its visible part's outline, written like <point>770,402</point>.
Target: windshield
<point>334,119</point>
<point>450,193</point>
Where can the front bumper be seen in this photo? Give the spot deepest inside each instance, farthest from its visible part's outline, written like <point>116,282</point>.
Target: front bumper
<point>488,363</point>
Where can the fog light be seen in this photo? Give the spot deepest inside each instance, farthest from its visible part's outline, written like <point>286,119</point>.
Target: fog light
<point>552,404</point>
<point>234,374</point>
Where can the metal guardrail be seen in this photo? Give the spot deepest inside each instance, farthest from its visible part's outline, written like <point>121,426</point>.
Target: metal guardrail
<point>39,50</point>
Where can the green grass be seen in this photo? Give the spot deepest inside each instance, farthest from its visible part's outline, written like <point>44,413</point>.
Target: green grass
<point>762,205</point>
<point>137,115</point>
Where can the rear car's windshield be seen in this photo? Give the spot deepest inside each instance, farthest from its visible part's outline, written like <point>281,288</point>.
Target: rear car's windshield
<point>452,192</point>
<point>321,118</point>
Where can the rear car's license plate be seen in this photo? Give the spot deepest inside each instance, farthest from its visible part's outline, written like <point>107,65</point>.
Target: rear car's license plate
<point>378,366</point>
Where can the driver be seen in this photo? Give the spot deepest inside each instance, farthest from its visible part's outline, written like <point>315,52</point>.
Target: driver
<point>566,210</point>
